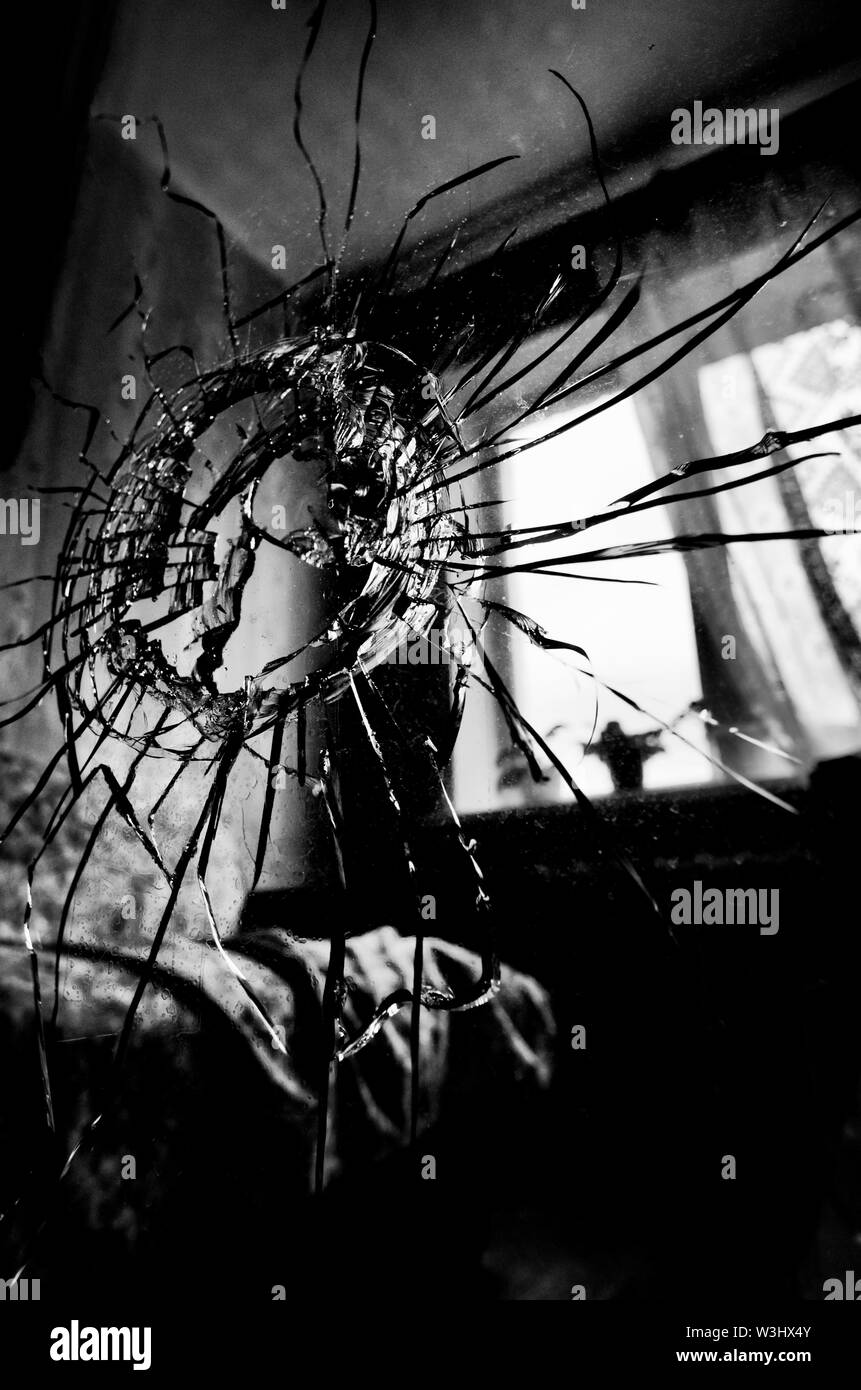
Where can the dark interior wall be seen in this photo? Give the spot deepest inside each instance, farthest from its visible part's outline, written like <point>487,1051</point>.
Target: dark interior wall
<point>700,1041</point>
<point>63,50</point>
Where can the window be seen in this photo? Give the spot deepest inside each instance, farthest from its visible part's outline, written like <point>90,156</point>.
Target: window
<point>796,606</point>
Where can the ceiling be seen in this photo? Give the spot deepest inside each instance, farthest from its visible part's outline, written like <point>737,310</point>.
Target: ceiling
<point>220,76</point>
